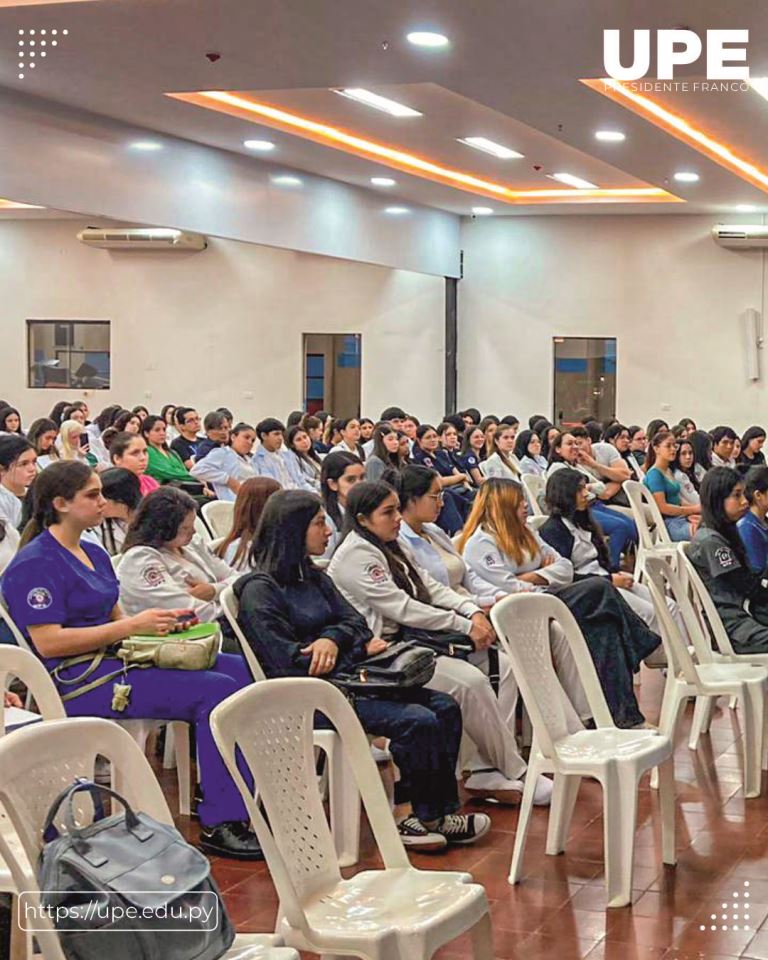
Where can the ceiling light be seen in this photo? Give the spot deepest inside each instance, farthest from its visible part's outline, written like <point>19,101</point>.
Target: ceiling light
<point>745,208</point>
<point>571,181</point>
<point>397,211</point>
<point>383,181</point>
<point>686,176</point>
<point>425,38</point>
<point>488,146</point>
<point>285,180</point>
<point>263,146</point>
<point>610,136</point>
<point>482,211</point>
<point>147,145</point>
<point>370,99</point>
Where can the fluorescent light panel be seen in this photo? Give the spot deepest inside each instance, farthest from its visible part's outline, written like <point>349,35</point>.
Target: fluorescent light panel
<point>686,176</point>
<point>371,99</point>
<point>489,146</point>
<point>482,211</point>
<point>18,205</point>
<point>426,38</point>
<point>610,136</point>
<point>571,181</point>
<point>261,146</point>
<point>383,181</point>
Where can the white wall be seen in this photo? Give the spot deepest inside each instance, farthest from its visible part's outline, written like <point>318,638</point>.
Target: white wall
<point>208,328</point>
<point>660,285</point>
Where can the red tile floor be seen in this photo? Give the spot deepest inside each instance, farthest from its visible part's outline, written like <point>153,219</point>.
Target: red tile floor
<point>558,910</point>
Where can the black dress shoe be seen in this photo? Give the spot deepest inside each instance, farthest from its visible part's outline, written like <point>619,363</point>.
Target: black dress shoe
<point>231,839</point>
<point>197,799</point>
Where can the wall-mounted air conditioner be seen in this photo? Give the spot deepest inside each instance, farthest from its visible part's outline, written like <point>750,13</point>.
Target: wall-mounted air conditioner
<point>743,236</point>
<point>141,238</point>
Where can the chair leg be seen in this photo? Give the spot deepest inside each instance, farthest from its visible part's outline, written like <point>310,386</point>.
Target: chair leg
<point>753,713</point>
<point>702,717</point>
<point>344,804</point>
<point>179,733</point>
<point>21,942</point>
<point>675,698</point>
<point>524,819</point>
<point>564,795</point>
<point>733,702</point>
<point>482,938</point>
<point>666,772</point>
<point>619,823</point>
<point>169,752</point>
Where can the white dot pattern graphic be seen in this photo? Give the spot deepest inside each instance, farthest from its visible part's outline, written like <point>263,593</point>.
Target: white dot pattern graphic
<point>736,916</point>
<point>27,52</point>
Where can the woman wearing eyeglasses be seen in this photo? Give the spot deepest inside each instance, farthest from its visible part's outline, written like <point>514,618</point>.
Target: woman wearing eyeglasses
<point>681,520</point>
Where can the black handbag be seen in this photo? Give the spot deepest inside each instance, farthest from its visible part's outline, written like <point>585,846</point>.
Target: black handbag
<point>393,673</point>
<point>445,643</point>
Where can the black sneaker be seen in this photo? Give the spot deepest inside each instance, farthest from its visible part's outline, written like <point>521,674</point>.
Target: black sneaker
<point>197,799</point>
<point>464,828</point>
<point>231,839</point>
<point>414,835</point>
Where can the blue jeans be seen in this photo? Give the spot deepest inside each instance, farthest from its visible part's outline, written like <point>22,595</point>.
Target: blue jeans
<point>618,527</point>
<point>187,695</point>
<point>678,528</point>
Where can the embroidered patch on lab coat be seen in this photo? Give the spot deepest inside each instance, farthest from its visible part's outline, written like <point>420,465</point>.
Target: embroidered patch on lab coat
<point>376,573</point>
<point>490,559</point>
<point>153,576</point>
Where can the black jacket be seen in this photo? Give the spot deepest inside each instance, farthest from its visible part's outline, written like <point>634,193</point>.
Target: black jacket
<point>557,535</point>
<point>279,620</point>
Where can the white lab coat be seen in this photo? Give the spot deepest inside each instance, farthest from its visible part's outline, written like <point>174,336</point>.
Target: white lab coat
<point>486,563</point>
<point>221,465</point>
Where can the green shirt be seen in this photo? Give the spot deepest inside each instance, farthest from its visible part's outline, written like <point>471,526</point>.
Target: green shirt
<point>166,466</point>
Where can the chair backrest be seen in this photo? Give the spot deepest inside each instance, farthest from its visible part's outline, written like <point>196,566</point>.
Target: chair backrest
<point>219,515</point>
<point>707,616</point>
<point>38,762</point>
<point>117,559</point>
<point>483,466</point>
<point>230,607</point>
<point>271,724</point>
<point>660,576</point>
<point>642,501</point>
<point>18,636</point>
<point>522,623</point>
<point>534,487</point>
<point>15,662</point>
<point>201,529</point>
<point>537,522</point>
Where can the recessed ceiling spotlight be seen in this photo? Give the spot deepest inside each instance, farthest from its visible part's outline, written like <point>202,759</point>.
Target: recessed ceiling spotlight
<point>482,211</point>
<point>146,145</point>
<point>397,211</point>
<point>383,181</point>
<point>263,146</point>
<point>371,99</point>
<point>610,136</point>
<point>571,181</point>
<point>686,176</point>
<point>489,146</point>
<point>425,38</point>
<point>745,208</point>
<point>286,180</point>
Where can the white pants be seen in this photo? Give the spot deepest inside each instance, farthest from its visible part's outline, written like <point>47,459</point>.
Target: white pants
<point>639,598</point>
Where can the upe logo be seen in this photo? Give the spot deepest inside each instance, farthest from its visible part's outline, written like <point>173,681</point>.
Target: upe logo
<point>677,48</point>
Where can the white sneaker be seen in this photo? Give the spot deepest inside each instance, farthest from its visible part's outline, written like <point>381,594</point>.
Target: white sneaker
<point>542,795</point>
<point>493,785</point>
<point>414,835</point>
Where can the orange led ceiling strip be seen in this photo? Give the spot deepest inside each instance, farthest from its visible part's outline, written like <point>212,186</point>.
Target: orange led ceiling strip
<point>681,128</point>
<point>18,205</point>
<point>244,107</point>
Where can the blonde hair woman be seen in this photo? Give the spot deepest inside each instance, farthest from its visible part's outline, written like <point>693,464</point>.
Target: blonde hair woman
<point>68,442</point>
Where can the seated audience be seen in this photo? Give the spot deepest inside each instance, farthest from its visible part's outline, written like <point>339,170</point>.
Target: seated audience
<point>386,454</point>
<point>499,547</point>
<point>721,560</point>
<point>299,624</point>
<point>77,412</point>
<point>63,595</point>
<point>400,600</point>
<point>57,412</point>
<point>130,452</point>
<point>723,443</point>
<point>9,544</point>
<point>611,469</point>
<point>225,468</point>
<point>638,444</point>
<point>685,473</point>
<point>349,431</point>
<point>689,428</point>
<point>69,444</point>
<point>270,459</point>
<point>142,412</point>
<point>168,414</point>
<point>410,426</point>
<point>249,506</point>
<point>501,460</point>
<point>680,519</point>
<point>702,447</point>
<point>308,460</point>
<point>528,453</point>
<point>340,473</point>
<point>366,429</point>
<point>165,564</point>
<point>127,422</point>
<point>164,464</point>
<point>314,427</point>
<point>472,452</point>
<point>654,427</point>
<point>752,527</point>
<point>457,486</point>
<point>217,425</point>
<point>10,421</point>
<point>186,443</point>
<point>18,469</point>
<point>42,435</point>
<point>489,425</point>
<point>470,416</point>
<point>613,451</point>
<point>448,437</point>
<point>121,490</point>
<point>751,453</point>
<point>548,434</point>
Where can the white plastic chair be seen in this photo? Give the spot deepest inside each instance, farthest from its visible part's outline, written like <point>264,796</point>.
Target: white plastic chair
<point>616,758</point>
<point>397,912</point>
<point>654,542</point>
<point>38,762</point>
<point>708,679</point>
<point>344,801</point>
<point>534,487</point>
<point>219,514</point>
<point>537,522</point>
<point>202,530</point>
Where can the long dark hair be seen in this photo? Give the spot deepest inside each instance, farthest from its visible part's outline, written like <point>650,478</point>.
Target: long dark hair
<point>380,431</point>
<point>752,433</point>
<point>311,456</point>
<point>411,483</point>
<point>58,409</point>
<point>702,448</point>
<point>562,488</point>
<point>251,499</point>
<point>37,429</point>
<point>158,518</point>
<point>6,412</point>
<point>66,479</point>
<point>146,425</point>
<point>756,481</point>
<point>334,467</point>
<point>690,472</point>
<point>466,449</point>
<point>108,416</point>
<point>521,443</point>
<point>716,487</point>
<point>363,499</point>
<point>280,545</point>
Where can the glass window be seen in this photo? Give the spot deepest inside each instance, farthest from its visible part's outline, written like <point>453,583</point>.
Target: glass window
<point>69,353</point>
<point>585,379</point>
